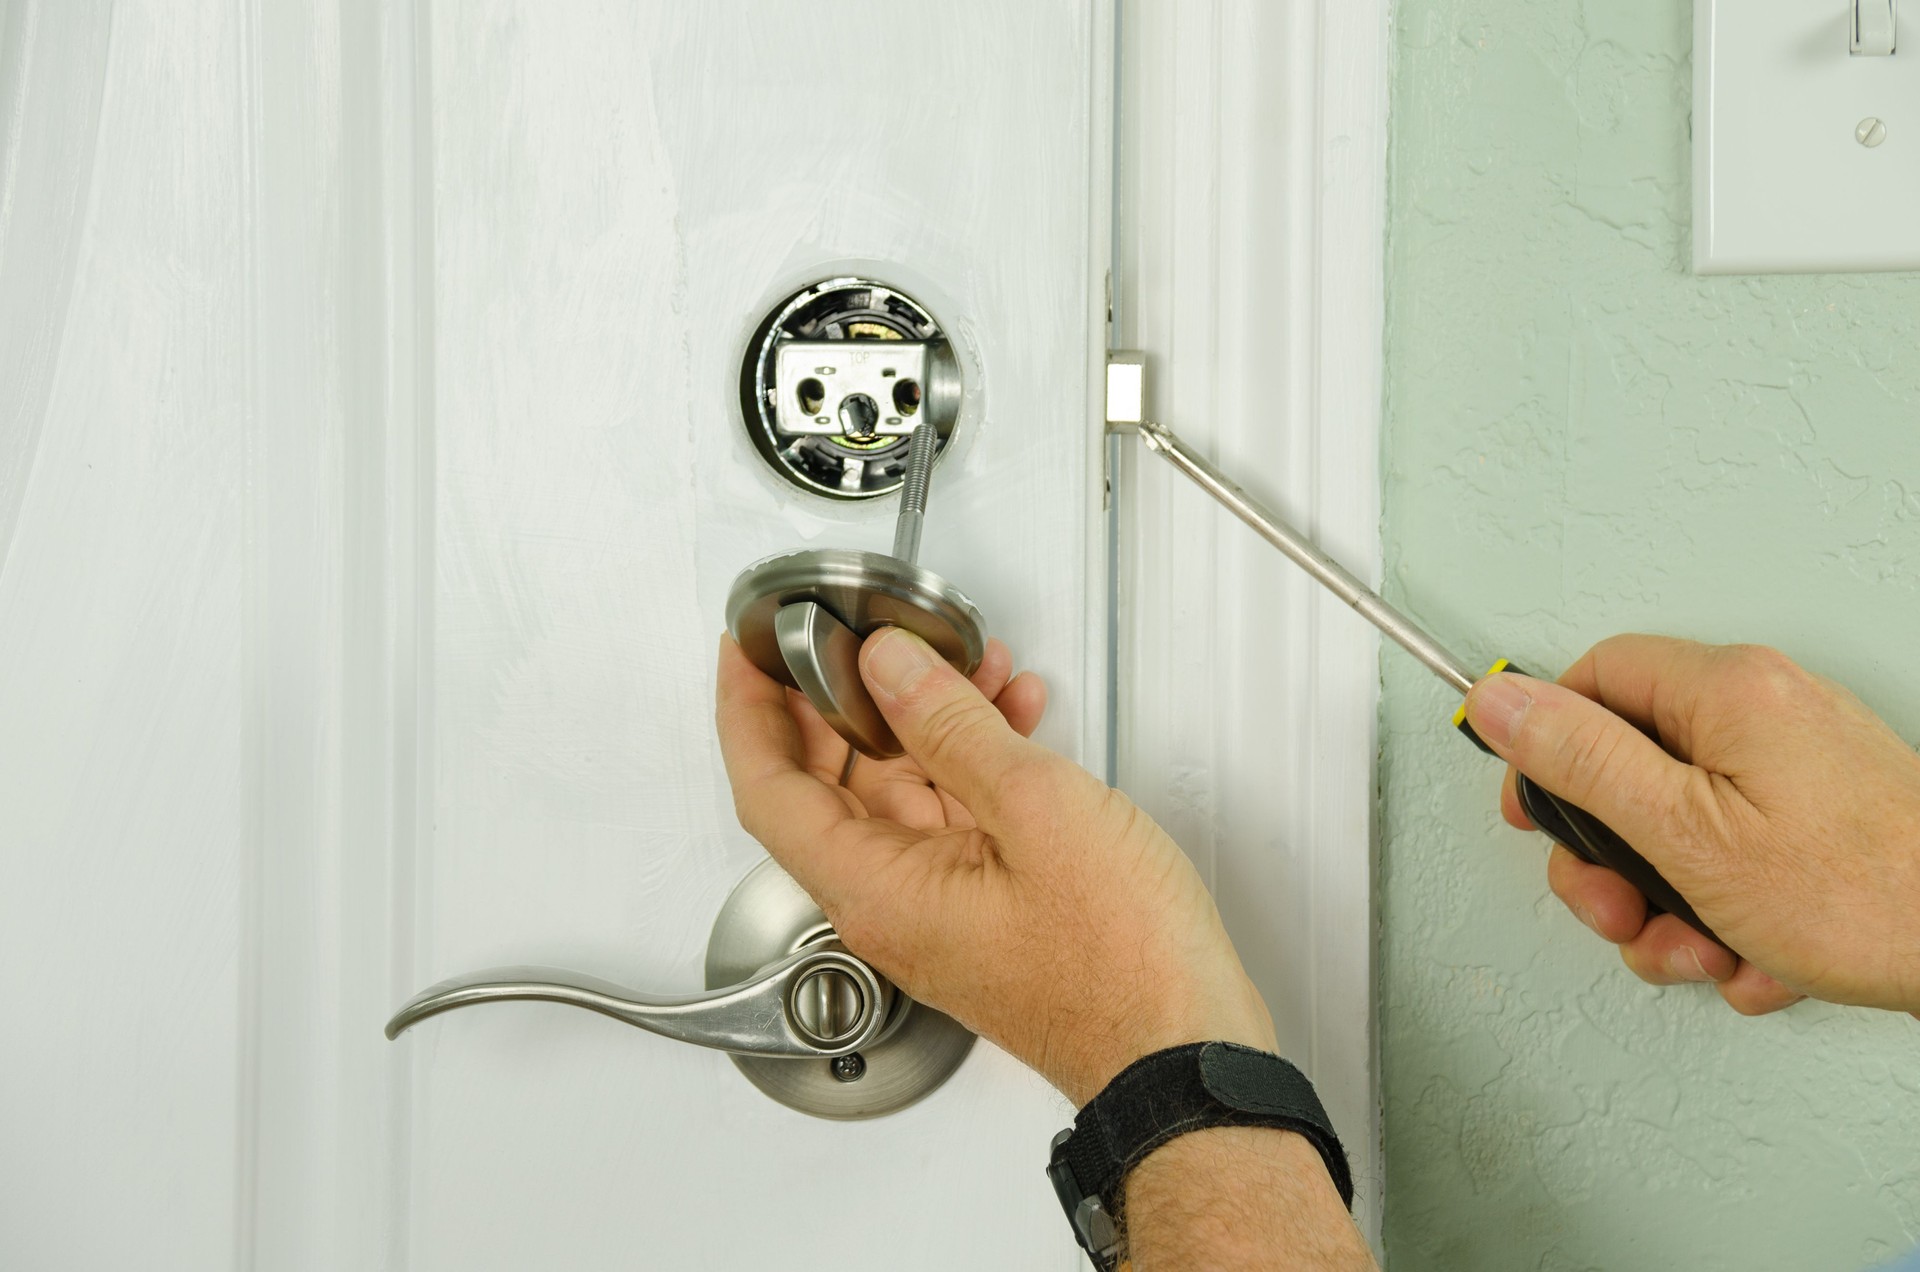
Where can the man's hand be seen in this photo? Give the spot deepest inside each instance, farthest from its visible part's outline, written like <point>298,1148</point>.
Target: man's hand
<point>985,875</point>
<point>1005,885</point>
<point>1780,807</point>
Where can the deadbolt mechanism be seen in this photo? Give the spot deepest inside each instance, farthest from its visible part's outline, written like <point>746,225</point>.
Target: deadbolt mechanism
<point>851,389</point>
<point>807,1022</point>
<point>835,380</point>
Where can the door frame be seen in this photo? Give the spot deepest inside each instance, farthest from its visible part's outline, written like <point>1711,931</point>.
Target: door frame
<point>1250,265</point>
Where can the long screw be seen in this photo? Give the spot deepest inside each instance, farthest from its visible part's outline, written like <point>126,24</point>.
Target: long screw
<point>913,492</point>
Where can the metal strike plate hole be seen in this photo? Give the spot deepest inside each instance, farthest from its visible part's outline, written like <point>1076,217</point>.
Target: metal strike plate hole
<point>835,379</point>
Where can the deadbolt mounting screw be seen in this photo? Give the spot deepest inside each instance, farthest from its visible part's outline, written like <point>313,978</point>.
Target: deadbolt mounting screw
<point>913,491</point>
<point>850,1067</point>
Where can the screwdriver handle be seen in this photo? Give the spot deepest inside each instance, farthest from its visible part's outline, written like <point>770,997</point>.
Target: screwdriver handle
<point>1589,838</point>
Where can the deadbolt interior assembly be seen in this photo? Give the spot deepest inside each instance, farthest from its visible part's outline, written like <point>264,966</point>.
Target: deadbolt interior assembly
<point>801,616</point>
<point>807,1022</point>
<point>835,380</point>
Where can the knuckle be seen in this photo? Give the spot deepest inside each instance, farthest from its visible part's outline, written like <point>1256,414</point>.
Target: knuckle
<point>1615,646</point>
<point>1749,1002</point>
<point>747,812</point>
<point>1692,818</point>
<point>947,726</point>
<point>1590,756</point>
<point>1562,878</point>
<point>1637,962</point>
<point>1762,675</point>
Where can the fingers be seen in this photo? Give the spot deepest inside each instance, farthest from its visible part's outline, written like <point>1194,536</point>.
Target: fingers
<point>1599,898</point>
<point>1752,992</point>
<point>1023,703</point>
<point>1510,806</point>
<point>1662,950</point>
<point>996,668</point>
<point>1022,699</point>
<point>1668,951</point>
<point>966,746</point>
<point>900,791</point>
<point>790,811</point>
<point>1587,755</point>
<point>824,751</point>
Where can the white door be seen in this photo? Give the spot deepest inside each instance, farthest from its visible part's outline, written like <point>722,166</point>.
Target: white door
<point>619,194</point>
<point>373,483</point>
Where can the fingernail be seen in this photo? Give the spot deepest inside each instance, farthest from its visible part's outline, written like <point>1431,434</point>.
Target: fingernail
<point>895,659</point>
<point>1496,706</point>
<point>1685,963</point>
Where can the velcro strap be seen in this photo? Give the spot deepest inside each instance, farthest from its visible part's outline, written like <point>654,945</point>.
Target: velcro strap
<point>1192,1088</point>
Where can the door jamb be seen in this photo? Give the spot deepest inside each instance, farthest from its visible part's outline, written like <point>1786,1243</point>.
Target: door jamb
<point>1249,262</point>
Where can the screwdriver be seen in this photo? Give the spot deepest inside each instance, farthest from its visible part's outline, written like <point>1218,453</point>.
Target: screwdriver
<point>1589,838</point>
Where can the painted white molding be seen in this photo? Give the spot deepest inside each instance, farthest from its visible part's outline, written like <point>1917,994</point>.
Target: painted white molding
<point>1251,192</point>
<point>336,111</point>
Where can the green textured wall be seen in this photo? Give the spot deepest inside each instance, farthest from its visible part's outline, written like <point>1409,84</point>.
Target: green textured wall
<point>1583,438</point>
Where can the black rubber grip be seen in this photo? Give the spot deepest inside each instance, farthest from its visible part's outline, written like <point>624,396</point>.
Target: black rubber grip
<point>1592,840</point>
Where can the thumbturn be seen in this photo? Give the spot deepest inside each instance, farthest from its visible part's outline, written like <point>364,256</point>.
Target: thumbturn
<point>801,616</point>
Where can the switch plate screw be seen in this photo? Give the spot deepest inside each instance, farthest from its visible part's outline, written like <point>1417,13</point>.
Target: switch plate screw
<point>850,1067</point>
<point>1870,133</point>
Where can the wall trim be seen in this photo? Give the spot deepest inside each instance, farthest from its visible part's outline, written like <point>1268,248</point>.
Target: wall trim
<point>1249,265</point>
<point>335,119</point>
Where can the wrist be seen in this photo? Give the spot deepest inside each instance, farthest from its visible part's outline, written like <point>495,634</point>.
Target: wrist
<point>1233,1197</point>
<point>1096,1056</point>
<point>1178,1094</point>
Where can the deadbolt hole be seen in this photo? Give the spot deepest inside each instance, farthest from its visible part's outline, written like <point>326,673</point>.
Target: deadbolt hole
<point>906,396</point>
<point>812,395</point>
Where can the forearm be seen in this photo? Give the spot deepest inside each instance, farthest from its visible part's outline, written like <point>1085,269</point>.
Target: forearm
<point>1237,1197</point>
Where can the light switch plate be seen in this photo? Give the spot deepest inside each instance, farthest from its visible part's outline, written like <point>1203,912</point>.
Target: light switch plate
<point>1782,182</point>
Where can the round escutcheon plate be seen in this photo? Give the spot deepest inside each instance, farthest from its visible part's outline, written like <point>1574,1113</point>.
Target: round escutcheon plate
<point>767,917</point>
<point>865,591</point>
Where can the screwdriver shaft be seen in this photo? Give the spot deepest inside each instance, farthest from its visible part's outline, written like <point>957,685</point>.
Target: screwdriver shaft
<point>1307,555</point>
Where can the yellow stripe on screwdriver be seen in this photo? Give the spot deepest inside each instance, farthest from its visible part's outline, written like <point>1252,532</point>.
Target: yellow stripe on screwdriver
<point>1460,716</point>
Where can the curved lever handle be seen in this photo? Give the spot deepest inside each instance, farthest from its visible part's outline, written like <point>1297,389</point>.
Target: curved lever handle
<point>817,1002</point>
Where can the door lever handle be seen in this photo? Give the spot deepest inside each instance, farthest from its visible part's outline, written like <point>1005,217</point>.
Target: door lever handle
<point>804,1019</point>
<point>818,1002</point>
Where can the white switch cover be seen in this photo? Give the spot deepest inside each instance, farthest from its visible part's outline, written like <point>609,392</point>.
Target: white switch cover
<point>1783,181</point>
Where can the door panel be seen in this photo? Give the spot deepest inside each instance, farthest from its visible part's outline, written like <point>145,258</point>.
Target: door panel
<point>619,193</point>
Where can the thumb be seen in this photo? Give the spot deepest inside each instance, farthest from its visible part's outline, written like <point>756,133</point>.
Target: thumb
<point>1583,753</point>
<point>965,745</point>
